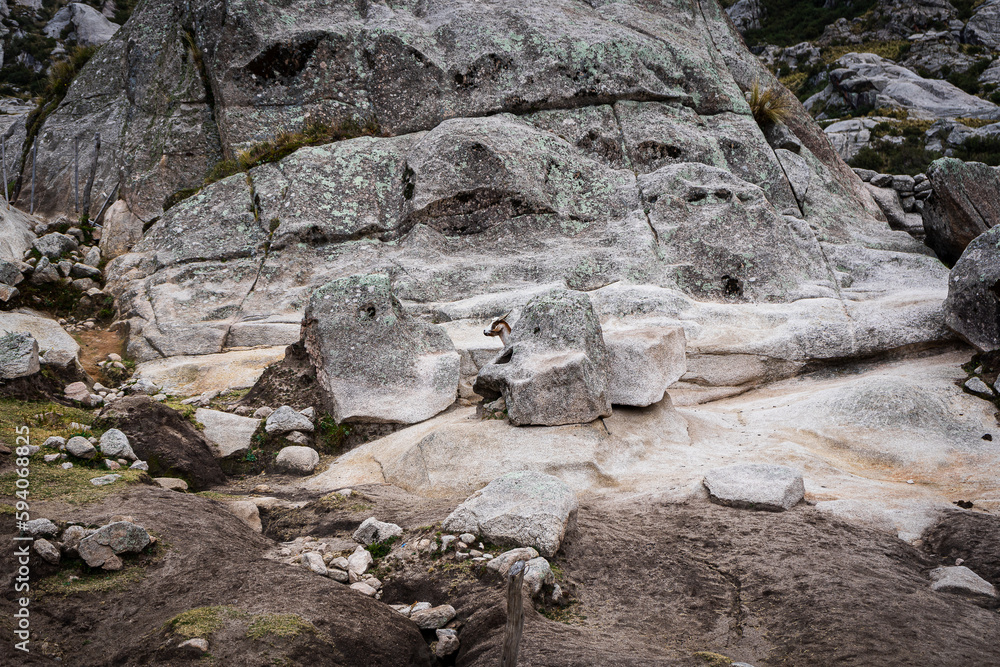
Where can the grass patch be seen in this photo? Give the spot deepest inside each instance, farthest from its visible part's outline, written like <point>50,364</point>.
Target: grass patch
<point>794,81</point>
<point>903,128</point>
<point>49,481</point>
<point>969,79</point>
<point>43,418</point>
<point>788,22</point>
<point>769,106</point>
<point>910,157</point>
<point>201,621</point>
<point>286,143</point>
<point>78,579</point>
<point>975,122</point>
<point>890,49</point>
<point>380,550</point>
<point>713,659</point>
<point>570,614</point>
<point>980,149</point>
<point>330,435</point>
<point>278,625</point>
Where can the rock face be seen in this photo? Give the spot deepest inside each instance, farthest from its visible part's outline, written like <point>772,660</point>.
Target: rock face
<point>115,444</point>
<point>376,362</point>
<point>518,509</point>
<point>963,206</point>
<point>101,549</point>
<point>18,355</point>
<point>642,363</point>
<point>866,80</point>
<point>746,14</point>
<point>494,174</point>
<point>122,230</point>
<point>160,436</point>
<point>755,486</point>
<point>972,308</point>
<point>16,236</point>
<point>984,26</point>
<point>554,369</point>
<point>372,530</point>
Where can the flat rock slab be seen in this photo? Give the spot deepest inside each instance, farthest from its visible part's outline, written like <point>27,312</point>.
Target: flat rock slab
<point>195,374</point>
<point>757,486</point>
<point>227,434</point>
<point>963,581</point>
<point>522,508</point>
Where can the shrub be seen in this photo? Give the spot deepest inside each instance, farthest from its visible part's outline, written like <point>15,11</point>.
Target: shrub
<point>909,157</point>
<point>789,22</point>
<point>980,149</point>
<point>769,106</point>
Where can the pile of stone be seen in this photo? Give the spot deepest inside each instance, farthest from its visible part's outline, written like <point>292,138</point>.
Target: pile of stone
<point>326,557</point>
<point>113,446</point>
<point>64,260</point>
<point>101,547</point>
<point>900,197</point>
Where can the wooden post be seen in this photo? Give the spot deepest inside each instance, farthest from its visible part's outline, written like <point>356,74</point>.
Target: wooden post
<point>76,174</point>
<point>34,160</point>
<point>90,179</point>
<point>515,616</point>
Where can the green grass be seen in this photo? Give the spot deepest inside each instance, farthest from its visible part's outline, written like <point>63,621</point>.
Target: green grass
<point>788,22</point>
<point>278,625</point>
<point>49,481</point>
<point>56,419</point>
<point>201,621</point>
<point>380,550</point>
<point>769,106</point>
<point>330,435</point>
<point>75,578</point>
<point>908,158</point>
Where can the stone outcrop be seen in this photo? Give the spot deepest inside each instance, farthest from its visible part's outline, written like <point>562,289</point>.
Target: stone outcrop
<point>227,434</point>
<point>755,486</point>
<point>972,308</point>
<point>375,361</point>
<point>82,24</point>
<point>963,206</point>
<point>554,369</point>
<point>520,509</point>
<point>642,363</point>
<point>984,26</point>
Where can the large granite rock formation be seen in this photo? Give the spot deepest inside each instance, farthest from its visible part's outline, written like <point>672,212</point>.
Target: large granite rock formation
<point>965,204</point>
<point>607,149</point>
<point>973,305</point>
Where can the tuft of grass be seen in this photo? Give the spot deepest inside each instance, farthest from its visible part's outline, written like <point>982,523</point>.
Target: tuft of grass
<point>769,106</point>
<point>980,149</point>
<point>278,625</point>
<point>50,482</point>
<point>713,659</point>
<point>380,550</point>
<point>201,621</point>
<point>330,435</point>
<point>286,143</point>
<point>894,50</point>
<point>975,122</point>
<point>43,418</point>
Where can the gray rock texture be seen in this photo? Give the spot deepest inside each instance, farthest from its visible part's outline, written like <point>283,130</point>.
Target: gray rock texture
<point>964,205</point>
<point>56,347</point>
<point>984,26</point>
<point>109,541</point>
<point>55,245</point>
<point>122,230</point>
<point>554,369</point>
<point>522,509</point>
<point>80,447</point>
<point>960,580</point>
<point>115,444</point>
<point>18,355</point>
<point>85,25</point>
<point>297,460</point>
<point>227,434</point>
<point>972,308</point>
<point>758,486</point>
<point>642,363</point>
<point>376,362</point>
<point>372,530</point>
<point>286,419</point>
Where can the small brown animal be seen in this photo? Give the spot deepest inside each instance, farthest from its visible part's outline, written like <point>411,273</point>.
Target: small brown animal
<point>499,328</point>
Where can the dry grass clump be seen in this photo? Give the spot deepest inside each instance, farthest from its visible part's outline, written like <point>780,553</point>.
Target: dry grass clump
<point>769,106</point>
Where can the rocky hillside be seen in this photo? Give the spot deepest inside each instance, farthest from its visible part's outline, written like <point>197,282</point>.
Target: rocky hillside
<point>347,333</point>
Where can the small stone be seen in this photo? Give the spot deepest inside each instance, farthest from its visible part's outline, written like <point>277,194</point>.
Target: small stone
<point>247,512</point>
<point>502,563</point>
<point>446,540</point>
<point>194,648</point>
<point>372,530</point>
<point>263,412</point>
<point>961,580</point>
<point>111,465</point>
<point>286,419</point>
<point>171,483</point>
<point>139,465</point>
<point>299,438</point>
<point>364,589</point>
<point>105,480</point>
<point>338,574</point>
<point>314,562</point>
<point>46,550</point>
<point>115,443</point>
<point>447,644</point>
<point>297,460</point>
<point>339,562</point>
<point>71,539</point>
<point>757,486</point>
<point>52,458</point>
<point>81,447</point>
<point>979,388</point>
<point>468,538</point>
<point>242,411</point>
<point>433,618</point>
<point>359,561</point>
<point>67,466</point>
<point>40,528</point>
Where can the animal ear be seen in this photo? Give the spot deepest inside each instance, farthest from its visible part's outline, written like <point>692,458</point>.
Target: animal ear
<point>505,316</point>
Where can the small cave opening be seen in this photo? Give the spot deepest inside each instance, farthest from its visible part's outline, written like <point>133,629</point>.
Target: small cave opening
<point>732,286</point>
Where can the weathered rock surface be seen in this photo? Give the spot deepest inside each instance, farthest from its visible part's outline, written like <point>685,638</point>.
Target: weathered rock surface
<point>81,23</point>
<point>122,230</point>
<point>961,580</point>
<point>247,512</point>
<point>18,355</point>
<point>372,530</point>
<point>115,444</point>
<point>297,460</point>
<point>642,363</point>
<point>519,509</point>
<point>102,547</point>
<point>55,245</point>
<point>755,486</point>
<point>56,347</point>
<point>286,419</point>
<point>228,434</point>
<point>963,206</point>
<point>972,308</point>
<point>554,369</point>
<point>80,447</point>
<point>984,26</point>
<point>16,236</point>
<point>375,361</point>
<point>166,440</point>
